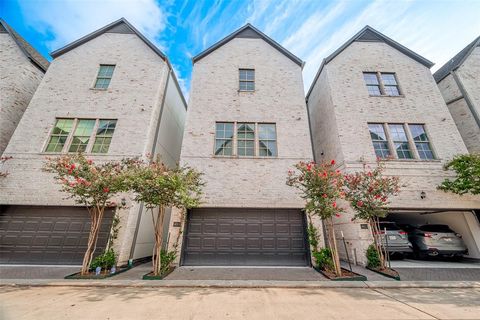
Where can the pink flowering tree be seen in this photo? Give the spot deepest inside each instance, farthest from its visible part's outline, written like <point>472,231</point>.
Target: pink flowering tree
<point>92,185</point>
<point>368,192</point>
<point>321,187</point>
<point>159,187</point>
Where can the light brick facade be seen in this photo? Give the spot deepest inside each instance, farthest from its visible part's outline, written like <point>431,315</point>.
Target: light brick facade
<point>136,97</point>
<point>246,182</point>
<point>340,108</point>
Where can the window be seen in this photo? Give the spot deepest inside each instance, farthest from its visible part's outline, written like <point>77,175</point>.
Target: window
<point>59,135</point>
<point>246,139</point>
<point>104,136</point>
<point>77,135</point>
<point>400,141</point>
<point>381,84</point>
<point>379,140</point>
<point>224,139</point>
<point>267,140</point>
<point>247,80</point>
<point>421,141</point>
<point>104,76</point>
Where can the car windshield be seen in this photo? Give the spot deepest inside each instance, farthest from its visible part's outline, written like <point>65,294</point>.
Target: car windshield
<point>389,226</point>
<point>436,228</point>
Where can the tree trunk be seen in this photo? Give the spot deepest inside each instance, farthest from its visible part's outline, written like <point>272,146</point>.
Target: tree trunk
<point>377,241</point>
<point>335,256</point>
<point>96,215</point>
<point>157,250</point>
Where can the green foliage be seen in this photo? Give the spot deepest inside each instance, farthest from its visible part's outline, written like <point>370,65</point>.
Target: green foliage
<point>467,168</point>
<point>321,187</point>
<point>312,236</point>
<point>368,192</point>
<point>323,259</point>
<point>166,259</point>
<point>105,261</point>
<point>373,258</point>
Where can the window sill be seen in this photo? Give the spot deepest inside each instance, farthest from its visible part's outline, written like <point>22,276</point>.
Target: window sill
<point>243,157</point>
<point>412,160</point>
<point>386,96</point>
<point>246,91</point>
<point>72,153</point>
<point>99,89</point>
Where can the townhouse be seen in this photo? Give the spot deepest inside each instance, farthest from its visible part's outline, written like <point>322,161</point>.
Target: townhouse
<point>372,98</point>
<point>459,83</point>
<point>246,126</point>
<point>110,94</point>
<point>21,68</point>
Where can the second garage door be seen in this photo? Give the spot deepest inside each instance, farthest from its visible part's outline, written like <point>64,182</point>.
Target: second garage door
<point>245,237</point>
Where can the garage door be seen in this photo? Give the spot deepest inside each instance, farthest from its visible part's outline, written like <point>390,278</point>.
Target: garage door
<point>47,235</point>
<point>245,237</point>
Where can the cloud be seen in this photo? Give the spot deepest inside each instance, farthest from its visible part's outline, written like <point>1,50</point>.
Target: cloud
<point>69,20</point>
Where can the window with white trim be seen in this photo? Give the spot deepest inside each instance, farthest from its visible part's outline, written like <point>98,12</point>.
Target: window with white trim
<point>381,84</point>
<point>105,73</point>
<point>81,135</point>
<point>247,79</point>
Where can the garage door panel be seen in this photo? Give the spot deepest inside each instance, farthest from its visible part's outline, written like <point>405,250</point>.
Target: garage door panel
<point>245,237</point>
<point>48,235</point>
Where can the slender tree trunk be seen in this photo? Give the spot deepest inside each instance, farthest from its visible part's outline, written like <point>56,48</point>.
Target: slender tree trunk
<point>335,256</point>
<point>158,229</point>
<point>377,240</point>
<point>96,215</point>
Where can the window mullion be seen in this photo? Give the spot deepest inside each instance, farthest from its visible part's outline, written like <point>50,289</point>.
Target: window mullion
<point>234,142</point>
<point>411,143</point>
<point>391,145</point>
<point>66,146</point>
<point>92,136</point>
<point>256,145</point>
<point>380,83</point>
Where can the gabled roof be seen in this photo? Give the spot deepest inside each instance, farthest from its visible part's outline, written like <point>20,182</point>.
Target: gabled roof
<point>456,61</point>
<point>119,26</point>
<point>249,31</point>
<point>368,34</point>
<point>33,55</point>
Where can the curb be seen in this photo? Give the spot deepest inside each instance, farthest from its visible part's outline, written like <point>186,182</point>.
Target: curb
<point>240,284</point>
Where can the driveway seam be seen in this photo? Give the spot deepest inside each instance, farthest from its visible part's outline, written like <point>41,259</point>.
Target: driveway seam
<point>405,303</point>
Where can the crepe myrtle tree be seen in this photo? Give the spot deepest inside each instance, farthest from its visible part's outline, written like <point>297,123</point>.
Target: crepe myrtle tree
<point>159,187</point>
<point>321,187</point>
<point>467,168</point>
<point>92,185</point>
<point>368,192</point>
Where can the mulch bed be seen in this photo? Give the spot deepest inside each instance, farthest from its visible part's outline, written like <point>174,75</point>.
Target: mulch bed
<point>389,273</point>
<point>150,276</point>
<point>347,275</point>
<point>103,275</point>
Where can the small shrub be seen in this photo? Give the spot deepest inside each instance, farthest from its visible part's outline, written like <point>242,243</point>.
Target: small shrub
<point>105,261</point>
<point>373,259</point>
<point>323,259</point>
<point>312,236</point>
<point>166,259</point>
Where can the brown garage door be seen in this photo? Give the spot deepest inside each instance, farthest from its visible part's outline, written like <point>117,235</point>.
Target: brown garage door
<point>47,235</point>
<point>245,237</point>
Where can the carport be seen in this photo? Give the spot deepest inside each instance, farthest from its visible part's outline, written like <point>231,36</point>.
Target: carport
<point>464,222</point>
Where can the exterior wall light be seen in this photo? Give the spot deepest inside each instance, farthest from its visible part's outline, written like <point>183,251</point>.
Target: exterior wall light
<point>423,195</point>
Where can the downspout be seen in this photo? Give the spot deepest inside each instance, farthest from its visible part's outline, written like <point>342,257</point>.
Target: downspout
<point>466,97</point>
<point>154,147</point>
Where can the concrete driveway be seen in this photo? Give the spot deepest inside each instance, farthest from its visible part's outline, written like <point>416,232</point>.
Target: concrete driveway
<point>36,272</point>
<point>20,303</point>
<point>437,270</point>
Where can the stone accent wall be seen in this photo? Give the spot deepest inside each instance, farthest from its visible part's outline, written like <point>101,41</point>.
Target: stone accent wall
<point>19,80</point>
<point>421,102</point>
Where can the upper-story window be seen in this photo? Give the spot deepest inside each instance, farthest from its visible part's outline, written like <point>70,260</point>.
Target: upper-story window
<point>81,135</point>
<point>245,139</point>
<point>381,83</point>
<point>400,141</point>
<point>247,80</point>
<point>104,76</point>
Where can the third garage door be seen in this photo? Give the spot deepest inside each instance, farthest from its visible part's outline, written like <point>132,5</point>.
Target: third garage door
<point>245,237</point>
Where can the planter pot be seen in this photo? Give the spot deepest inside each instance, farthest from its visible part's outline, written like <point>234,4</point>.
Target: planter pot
<point>351,277</point>
<point>396,277</point>
<point>150,276</point>
<point>93,276</point>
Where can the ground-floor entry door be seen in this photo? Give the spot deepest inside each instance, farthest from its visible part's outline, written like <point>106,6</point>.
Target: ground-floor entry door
<point>245,237</point>
<point>47,235</point>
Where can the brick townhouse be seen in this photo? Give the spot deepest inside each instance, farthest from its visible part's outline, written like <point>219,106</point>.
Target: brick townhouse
<point>110,94</point>
<point>21,70</point>
<point>374,98</point>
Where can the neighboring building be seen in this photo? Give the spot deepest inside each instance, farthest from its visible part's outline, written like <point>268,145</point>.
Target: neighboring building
<point>246,126</point>
<point>21,70</point>
<point>374,98</point>
<point>459,83</point>
<point>111,94</point>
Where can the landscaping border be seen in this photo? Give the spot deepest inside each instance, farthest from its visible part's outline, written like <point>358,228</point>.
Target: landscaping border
<point>147,276</point>
<point>358,276</point>
<point>385,274</point>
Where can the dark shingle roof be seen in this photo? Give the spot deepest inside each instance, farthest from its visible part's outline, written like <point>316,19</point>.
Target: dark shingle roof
<point>456,61</point>
<point>249,31</point>
<point>33,55</point>
<point>368,34</point>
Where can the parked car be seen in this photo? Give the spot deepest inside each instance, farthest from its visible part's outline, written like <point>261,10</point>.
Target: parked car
<point>395,239</point>
<point>437,240</point>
